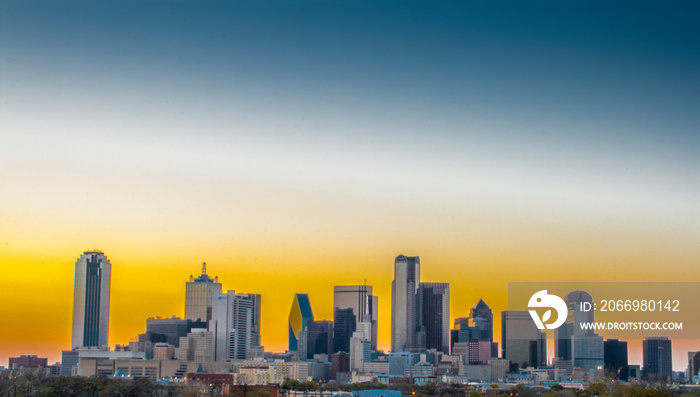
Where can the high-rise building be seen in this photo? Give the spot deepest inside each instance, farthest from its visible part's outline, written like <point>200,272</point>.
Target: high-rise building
<point>434,314</point>
<point>522,343</point>
<point>482,317</point>
<point>93,275</point>
<point>360,351</point>
<point>580,345</point>
<point>200,293</point>
<point>317,339</point>
<point>657,357</point>
<point>344,325</point>
<point>299,316</point>
<point>364,304</point>
<point>235,325</point>
<point>615,358</point>
<point>404,292</point>
<point>693,366</point>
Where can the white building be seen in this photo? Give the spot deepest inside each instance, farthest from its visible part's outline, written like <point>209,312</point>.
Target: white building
<point>235,324</point>
<point>93,275</point>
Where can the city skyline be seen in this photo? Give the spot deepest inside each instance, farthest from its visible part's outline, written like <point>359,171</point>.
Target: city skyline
<point>299,146</point>
<point>636,356</point>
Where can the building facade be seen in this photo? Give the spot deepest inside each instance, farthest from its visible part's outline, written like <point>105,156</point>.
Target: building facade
<point>200,293</point>
<point>93,275</point>
<point>522,343</point>
<point>404,292</point>
<point>235,324</point>
<point>364,304</point>
<point>434,314</point>
<point>657,357</point>
<point>299,316</point>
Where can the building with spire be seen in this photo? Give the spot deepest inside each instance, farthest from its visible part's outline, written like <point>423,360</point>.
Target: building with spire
<point>93,275</point>
<point>364,306</point>
<point>199,295</point>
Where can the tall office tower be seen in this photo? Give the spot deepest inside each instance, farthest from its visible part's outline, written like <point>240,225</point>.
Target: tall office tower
<point>564,334</point>
<point>359,298</point>
<point>93,275</point>
<point>299,316</point>
<point>199,295</point>
<point>404,292</point>
<point>657,357</point>
<point>344,324</point>
<point>482,316</point>
<point>693,366</point>
<point>235,324</point>
<point>575,343</point>
<point>615,358</point>
<point>434,314</point>
<point>523,344</point>
<point>317,339</point>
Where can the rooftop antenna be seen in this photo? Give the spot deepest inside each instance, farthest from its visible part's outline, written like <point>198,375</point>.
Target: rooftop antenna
<point>204,267</point>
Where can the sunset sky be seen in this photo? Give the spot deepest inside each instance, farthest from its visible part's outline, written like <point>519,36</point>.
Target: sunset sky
<point>298,145</point>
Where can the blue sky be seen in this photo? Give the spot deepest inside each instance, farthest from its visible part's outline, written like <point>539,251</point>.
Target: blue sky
<point>548,132</point>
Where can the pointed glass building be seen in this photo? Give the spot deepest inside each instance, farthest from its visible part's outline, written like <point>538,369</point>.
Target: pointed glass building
<point>299,316</point>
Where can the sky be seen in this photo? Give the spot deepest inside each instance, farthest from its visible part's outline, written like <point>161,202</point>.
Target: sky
<point>298,145</point>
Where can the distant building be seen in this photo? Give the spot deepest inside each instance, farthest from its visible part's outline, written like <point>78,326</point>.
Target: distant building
<point>404,313</point>
<point>522,343</point>
<point>363,303</point>
<point>657,357</point>
<point>693,366</point>
<point>317,339</point>
<point>360,351</point>
<point>27,361</point>
<point>482,316</point>
<point>172,329</point>
<point>200,293</point>
<point>235,324</point>
<point>434,314</point>
<point>299,316</point>
<point>575,343</point>
<point>344,325</point>
<point>340,363</point>
<point>93,275</point>
<point>197,346</point>
<point>615,358</point>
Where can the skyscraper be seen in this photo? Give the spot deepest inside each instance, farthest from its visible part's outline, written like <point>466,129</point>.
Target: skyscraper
<point>359,298</point>
<point>344,325</point>
<point>434,314</point>
<point>482,316</point>
<point>317,339</point>
<point>93,275</point>
<point>582,346</point>
<point>199,295</point>
<point>658,357</point>
<point>615,357</point>
<point>235,325</point>
<point>523,344</point>
<point>693,366</point>
<point>299,316</point>
<point>404,291</point>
